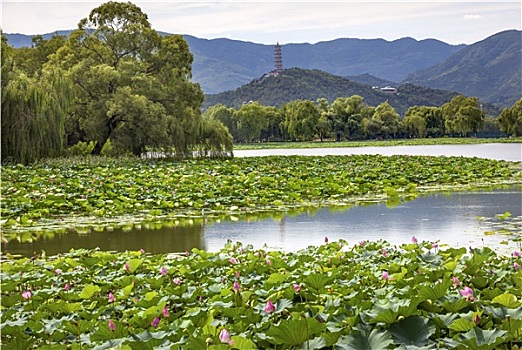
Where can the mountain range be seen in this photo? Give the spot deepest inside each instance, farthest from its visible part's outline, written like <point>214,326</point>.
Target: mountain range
<point>489,69</point>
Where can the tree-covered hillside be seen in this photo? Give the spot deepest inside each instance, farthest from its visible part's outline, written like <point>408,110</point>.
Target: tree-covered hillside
<point>304,84</point>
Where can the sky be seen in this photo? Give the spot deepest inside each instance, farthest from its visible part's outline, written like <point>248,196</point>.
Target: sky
<point>268,22</point>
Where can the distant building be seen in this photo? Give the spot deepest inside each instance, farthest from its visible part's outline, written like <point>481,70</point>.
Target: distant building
<point>278,62</point>
<point>389,90</point>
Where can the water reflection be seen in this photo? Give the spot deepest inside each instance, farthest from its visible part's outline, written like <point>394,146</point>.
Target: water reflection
<point>152,240</point>
<point>450,218</point>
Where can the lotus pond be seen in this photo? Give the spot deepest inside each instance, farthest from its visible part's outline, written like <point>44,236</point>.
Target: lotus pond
<point>345,295</point>
<point>368,295</point>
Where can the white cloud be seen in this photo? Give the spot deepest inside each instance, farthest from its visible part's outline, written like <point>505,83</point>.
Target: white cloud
<point>472,17</point>
<point>288,21</point>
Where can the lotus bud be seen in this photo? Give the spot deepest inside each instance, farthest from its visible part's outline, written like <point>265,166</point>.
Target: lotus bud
<point>400,318</point>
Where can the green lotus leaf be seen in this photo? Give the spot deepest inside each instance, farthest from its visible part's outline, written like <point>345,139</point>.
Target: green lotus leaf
<point>413,330</point>
<point>507,299</point>
<point>435,292</point>
<point>462,325</point>
<point>477,338</point>
<point>317,280</point>
<point>376,340</point>
<point>88,291</point>
<point>295,331</point>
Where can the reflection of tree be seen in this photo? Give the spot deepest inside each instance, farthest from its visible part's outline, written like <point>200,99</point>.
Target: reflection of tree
<point>152,240</point>
<point>282,229</point>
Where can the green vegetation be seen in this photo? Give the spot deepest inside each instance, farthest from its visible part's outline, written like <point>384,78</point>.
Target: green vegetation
<point>351,118</point>
<point>337,295</point>
<point>114,82</point>
<point>62,194</point>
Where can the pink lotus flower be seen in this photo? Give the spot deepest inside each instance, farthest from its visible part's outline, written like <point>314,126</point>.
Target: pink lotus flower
<point>142,251</point>
<point>111,298</point>
<point>434,245</point>
<point>57,271</point>
<point>165,312</point>
<point>224,337</point>
<point>362,243</point>
<point>237,274</point>
<point>112,326</point>
<point>155,322</point>
<point>126,266</point>
<point>268,262</point>
<point>516,253</point>
<point>384,253</point>
<point>326,240</point>
<point>468,293</point>
<point>176,281</point>
<point>455,280</point>
<point>385,275</point>
<point>67,286</point>
<point>163,271</point>
<point>297,288</point>
<point>269,308</point>
<point>233,261</point>
<point>236,287</point>
<point>516,265</point>
<point>414,239</point>
<point>27,294</point>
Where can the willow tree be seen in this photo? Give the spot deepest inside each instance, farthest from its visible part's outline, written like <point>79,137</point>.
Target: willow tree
<point>33,112</point>
<point>132,85</point>
<point>510,120</point>
<point>463,115</point>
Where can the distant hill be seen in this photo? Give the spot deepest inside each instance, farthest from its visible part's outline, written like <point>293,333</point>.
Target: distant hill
<point>369,79</point>
<point>304,84</point>
<point>224,64</point>
<point>489,69</point>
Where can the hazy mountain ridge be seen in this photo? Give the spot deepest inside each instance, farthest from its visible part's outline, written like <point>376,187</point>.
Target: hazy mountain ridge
<point>224,64</point>
<point>490,69</point>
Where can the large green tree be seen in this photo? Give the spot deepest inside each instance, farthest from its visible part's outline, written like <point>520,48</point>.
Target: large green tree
<point>510,120</point>
<point>385,122</point>
<point>463,115</point>
<point>347,115</point>
<point>252,119</point>
<point>300,118</point>
<point>132,85</point>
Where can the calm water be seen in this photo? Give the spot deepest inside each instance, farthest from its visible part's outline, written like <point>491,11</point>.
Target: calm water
<point>450,218</point>
<point>499,151</point>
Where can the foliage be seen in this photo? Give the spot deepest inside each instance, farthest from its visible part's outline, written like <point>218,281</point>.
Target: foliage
<point>33,112</point>
<point>510,120</point>
<point>36,197</point>
<point>462,115</point>
<point>324,297</point>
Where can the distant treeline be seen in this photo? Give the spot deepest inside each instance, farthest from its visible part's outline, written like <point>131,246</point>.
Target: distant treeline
<point>350,118</point>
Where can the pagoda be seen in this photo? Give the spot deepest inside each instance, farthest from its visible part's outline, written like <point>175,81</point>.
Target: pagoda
<point>278,59</point>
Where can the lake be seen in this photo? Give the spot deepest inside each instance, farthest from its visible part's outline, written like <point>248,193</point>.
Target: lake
<point>499,151</point>
<point>450,218</point>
